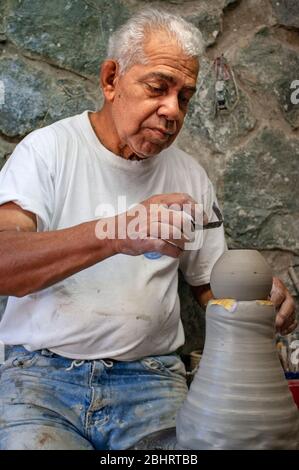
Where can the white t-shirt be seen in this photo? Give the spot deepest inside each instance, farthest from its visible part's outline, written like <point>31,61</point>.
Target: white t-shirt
<point>125,307</point>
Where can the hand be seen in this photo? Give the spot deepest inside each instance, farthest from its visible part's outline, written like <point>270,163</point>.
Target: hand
<point>152,225</point>
<point>285,321</point>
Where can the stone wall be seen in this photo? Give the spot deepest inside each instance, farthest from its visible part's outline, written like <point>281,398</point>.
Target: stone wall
<point>49,60</point>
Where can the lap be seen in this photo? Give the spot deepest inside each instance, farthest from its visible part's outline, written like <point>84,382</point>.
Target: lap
<point>32,436</point>
<point>147,400</point>
<point>48,405</point>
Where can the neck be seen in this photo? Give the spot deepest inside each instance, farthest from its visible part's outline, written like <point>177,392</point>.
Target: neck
<point>105,131</point>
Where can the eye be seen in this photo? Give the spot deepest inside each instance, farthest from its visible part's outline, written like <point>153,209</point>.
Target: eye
<point>184,99</point>
<point>155,89</point>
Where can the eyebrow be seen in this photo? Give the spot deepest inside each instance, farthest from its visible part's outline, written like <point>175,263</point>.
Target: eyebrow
<point>168,78</point>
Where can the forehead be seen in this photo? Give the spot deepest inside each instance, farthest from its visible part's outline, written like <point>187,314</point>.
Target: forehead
<point>166,60</point>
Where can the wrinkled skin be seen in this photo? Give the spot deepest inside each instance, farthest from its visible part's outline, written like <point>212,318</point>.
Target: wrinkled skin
<point>136,103</point>
<point>286,313</point>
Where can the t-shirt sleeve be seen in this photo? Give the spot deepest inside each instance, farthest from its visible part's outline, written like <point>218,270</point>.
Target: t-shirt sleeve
<point>27,180</point>
<point>196,265</point>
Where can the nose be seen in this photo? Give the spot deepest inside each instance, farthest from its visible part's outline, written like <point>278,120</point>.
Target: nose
<point>169,108</point>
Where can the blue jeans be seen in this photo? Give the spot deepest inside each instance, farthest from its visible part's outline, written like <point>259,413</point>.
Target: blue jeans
<point>51,402</point>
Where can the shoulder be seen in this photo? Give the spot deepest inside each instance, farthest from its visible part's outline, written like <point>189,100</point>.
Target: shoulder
<point>50,141</point>
<point>48,135</point>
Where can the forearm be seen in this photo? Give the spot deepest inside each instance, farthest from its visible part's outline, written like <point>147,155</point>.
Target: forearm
<point>202,294</point>
<point>31,261</point>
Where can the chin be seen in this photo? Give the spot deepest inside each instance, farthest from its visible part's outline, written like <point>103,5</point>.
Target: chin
<point>141,155</point>
<point>146,157</point>
<point>153,149</point>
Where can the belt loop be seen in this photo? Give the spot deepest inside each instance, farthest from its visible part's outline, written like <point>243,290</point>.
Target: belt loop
<point>107,362</point>
<point>75,363</point>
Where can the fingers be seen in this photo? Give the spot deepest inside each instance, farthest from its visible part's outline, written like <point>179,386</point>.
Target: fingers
<point>181,202</point>
<point>286,316</point>
<point>171,218</point>
<point>193,210</point>
<point>169,233</point>
<point>181,222</point>
<point>286,311</point>
<point>285,321</point>
<point>172,198</point>
<point>277,297</point>
<point>278,292</point>
<point>163,247</point>
<point>290,329</point>
<point>288,322</point>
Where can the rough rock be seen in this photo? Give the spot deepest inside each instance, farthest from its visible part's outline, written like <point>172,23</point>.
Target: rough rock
<point>71,33</point>
<point>34,99</point>
<point>261,193</point>
<point>268,66</point>
<point>6,149</point>
<point>286,12</point>
<point>222,128</point>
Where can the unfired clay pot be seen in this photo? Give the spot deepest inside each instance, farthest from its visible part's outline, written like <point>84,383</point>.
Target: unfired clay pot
<point>242,275</point>
<point>239,398</point>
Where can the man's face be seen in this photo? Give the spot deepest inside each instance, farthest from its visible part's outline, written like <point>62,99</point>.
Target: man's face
<point>151,100</point>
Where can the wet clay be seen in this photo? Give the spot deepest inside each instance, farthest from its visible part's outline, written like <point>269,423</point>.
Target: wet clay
<point>239,398</point>
<point>242,275</point>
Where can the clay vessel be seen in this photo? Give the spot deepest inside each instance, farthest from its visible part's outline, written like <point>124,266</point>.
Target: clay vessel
<point>239,398</point>
<point>242,275</point>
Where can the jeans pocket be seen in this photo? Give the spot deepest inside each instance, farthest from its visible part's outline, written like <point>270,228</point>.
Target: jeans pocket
<point>170,365</point>
<point>21,360</point>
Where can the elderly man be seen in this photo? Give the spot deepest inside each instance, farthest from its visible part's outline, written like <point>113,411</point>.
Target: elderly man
<point>94,321</point>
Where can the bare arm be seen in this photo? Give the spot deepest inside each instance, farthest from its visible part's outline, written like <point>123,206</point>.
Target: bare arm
<point>32,260</point>
<point>202,294</point>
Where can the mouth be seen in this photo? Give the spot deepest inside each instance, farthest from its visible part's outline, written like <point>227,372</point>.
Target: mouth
<point>161,133</point>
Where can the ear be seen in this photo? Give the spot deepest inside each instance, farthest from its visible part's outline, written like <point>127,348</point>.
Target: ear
<point>109,76</point>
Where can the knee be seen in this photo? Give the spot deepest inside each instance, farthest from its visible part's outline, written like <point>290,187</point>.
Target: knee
<point>41,438</point>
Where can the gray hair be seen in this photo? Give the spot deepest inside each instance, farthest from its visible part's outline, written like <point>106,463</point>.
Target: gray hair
<point>126,43</point>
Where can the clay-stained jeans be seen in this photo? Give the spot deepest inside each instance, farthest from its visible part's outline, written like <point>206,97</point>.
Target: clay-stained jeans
<point>51,402</point>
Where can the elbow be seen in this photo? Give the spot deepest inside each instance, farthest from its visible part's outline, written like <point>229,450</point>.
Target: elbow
<point>22,292</point>
<point>19,294</point>
<point>14,291</point>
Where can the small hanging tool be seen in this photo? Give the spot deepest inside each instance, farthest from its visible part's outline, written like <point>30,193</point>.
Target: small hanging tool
<point>224,77</point>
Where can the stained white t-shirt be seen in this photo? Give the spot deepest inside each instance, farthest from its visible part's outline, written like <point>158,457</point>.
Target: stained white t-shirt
<point>125,307</point>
